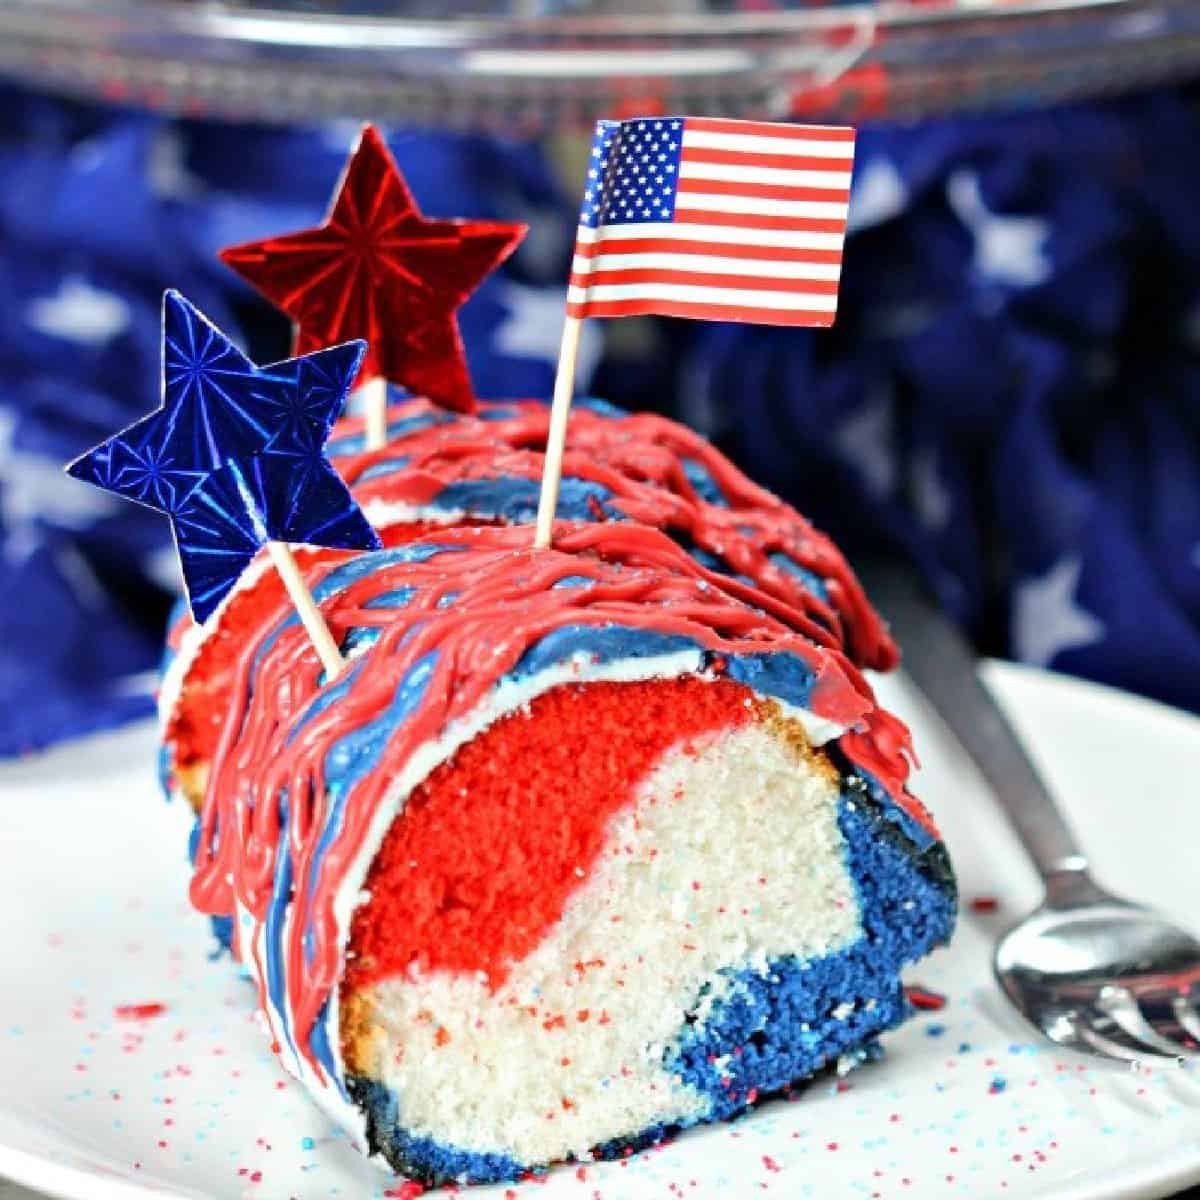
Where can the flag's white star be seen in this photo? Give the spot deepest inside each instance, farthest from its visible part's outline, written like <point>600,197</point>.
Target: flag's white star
<point>1008,249</point>
<point>1047,619</point>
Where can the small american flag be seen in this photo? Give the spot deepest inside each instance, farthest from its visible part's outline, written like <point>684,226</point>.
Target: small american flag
<point>722,220</point>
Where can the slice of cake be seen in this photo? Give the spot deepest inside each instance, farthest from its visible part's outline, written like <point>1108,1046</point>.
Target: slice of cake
<point>580,849</point>
<point>444,468</point>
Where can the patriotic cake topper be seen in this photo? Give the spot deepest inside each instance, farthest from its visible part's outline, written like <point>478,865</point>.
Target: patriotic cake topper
<point>235,458</point>
<point>378,269</point>
<point>724,220</point>
<point>706,218</point>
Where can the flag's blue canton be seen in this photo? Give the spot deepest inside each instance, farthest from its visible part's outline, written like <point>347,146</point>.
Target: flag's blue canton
<point>235,454</point>
<point>633,173</point>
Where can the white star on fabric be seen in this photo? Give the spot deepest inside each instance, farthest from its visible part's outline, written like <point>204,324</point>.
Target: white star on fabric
<point>878,194</point>
<point>930,498</point>
<point>865,440</point>
<point>37,491</point>
<point>79,312</point>
<point>1047,620</point>
<point>533,329</point>
<point>1008,249</point>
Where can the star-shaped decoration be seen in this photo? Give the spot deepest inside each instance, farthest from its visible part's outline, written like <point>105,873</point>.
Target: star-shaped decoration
<point>235,453</point>
<point>380,270</point>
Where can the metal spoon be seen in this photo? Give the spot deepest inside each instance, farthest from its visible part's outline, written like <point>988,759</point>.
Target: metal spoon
<point>1091,971</point>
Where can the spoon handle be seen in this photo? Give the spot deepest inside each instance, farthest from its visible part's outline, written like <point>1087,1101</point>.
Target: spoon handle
<point>942,664</point>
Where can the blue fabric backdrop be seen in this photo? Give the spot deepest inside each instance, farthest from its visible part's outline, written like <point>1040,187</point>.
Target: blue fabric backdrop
<point>1011,393</point>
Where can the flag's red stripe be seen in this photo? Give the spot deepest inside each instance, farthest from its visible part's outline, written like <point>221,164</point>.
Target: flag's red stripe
<point>697,216</point>
<point>801,133</point>
<point>651,245</point>
<point>706,312</point>
<point>759,191</point>
<point>715,279</point>
<point>745,158</point>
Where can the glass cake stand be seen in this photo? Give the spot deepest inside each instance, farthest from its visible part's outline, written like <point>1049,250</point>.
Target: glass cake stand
<point>534,65</point>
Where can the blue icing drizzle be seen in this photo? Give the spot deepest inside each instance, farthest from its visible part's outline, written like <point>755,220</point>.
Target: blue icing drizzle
<point>354,755</point>
<point>706,486</point>
<point>350,572</point>
<point>324,699</point>
<point>515,500</point>
<point>281,893</point>
<point>598,643</point>
<point>356,443</point>
<point>396,598</point>
<point>318,1041</point>
<point>603,408</point>
<point>784,676</point>
<point>385,466</point>
<point>164,771</point>
<point>812,582</point>
<point>569,581</point>
<point>498,412</point>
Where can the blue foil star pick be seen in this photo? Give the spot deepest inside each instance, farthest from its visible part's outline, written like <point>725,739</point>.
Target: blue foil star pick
<point>235,455</point>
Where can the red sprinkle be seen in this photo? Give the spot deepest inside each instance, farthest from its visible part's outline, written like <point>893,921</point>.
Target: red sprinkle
<point>411,1189</point>
<point>770,1163</point>
<point>985,904</point>
<point>139,1012</point>
<point>924,999</point>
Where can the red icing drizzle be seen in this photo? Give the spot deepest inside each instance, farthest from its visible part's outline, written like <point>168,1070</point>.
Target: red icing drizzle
<point>503,602</point>
<point>638,458</point>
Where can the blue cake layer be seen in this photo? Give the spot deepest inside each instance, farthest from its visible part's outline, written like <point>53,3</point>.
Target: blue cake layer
<point>770,1031</point>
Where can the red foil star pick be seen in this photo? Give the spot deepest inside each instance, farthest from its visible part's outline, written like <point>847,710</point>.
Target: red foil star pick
<point>377,269</point>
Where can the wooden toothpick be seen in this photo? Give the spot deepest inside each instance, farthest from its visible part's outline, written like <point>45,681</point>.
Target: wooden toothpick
<point>374,398</point>
<point>306,607</point>
<point>560,408</point>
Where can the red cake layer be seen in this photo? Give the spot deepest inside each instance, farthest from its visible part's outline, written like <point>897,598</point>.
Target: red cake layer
<point>488,849</point>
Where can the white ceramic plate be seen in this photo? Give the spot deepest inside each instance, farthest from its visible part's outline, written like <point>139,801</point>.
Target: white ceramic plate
<point>97,1105</point>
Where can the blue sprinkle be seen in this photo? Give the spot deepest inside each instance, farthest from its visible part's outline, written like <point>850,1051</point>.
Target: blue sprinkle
<point>997,1086</point>
<point>935,1030</point>
<point>307,1143</point>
